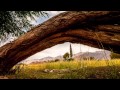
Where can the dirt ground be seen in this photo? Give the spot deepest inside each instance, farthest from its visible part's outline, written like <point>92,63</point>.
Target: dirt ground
<point>3,77</point>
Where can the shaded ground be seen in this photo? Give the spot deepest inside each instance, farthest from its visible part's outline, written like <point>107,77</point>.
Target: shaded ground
<point>112,72</point>
<point>4,77</point>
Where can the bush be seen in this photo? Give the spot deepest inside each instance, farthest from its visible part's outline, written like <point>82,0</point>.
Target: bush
<point>92,58</point>
<point>85,58</point>
<point>70,59</point>
<point>66,56</point>
<point>56,60</point>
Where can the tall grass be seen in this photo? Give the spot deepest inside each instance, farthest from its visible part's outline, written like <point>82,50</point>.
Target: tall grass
<point>85,69</point>
<point>76,64</point>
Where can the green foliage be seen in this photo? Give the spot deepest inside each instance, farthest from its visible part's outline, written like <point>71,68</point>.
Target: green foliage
<point>70,59</point>
<point>92,58</point>
<point>66,56</point>
<point>56,60</point>
<point>88,58</point>
<point>13,22</point>
<point>71,53</point>
<point>85,58</point>
<point>114,55</point>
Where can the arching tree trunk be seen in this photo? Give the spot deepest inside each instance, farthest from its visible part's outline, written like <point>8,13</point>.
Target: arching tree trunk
<point>98,29</point>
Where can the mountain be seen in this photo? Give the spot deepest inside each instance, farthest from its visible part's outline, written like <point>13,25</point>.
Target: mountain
<point>97,55</point>
<point>78,54</point>
<point>59,57</point>
<point>51,58</point>
<point>46,59</point>
<point>37,60</point>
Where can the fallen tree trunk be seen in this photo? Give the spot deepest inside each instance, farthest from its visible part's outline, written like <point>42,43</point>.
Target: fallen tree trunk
<point>77,27</point>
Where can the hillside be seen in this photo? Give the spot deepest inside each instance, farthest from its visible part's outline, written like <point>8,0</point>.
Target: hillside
<point>98,55</point>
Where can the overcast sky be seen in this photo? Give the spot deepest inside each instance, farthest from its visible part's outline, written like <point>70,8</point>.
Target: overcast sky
<point>59,49</point>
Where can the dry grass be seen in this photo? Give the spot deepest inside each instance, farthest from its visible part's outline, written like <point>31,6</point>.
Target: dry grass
<point>87,69</point>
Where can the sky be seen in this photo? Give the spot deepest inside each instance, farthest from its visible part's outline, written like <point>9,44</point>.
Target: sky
<point>59,49</point>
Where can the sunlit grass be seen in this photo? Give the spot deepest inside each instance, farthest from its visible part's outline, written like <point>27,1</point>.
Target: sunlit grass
<point>84,69</point>
<point>76,64</point>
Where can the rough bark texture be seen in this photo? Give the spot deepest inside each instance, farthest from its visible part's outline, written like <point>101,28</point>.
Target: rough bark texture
<point>98,29</point>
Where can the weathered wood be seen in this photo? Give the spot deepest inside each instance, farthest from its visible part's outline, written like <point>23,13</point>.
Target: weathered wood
<point>71,26</point>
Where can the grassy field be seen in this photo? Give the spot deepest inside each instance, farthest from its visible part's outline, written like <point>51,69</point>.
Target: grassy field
<point>87,69</point>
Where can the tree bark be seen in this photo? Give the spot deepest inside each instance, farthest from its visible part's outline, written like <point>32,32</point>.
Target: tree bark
<point>92,28</point>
